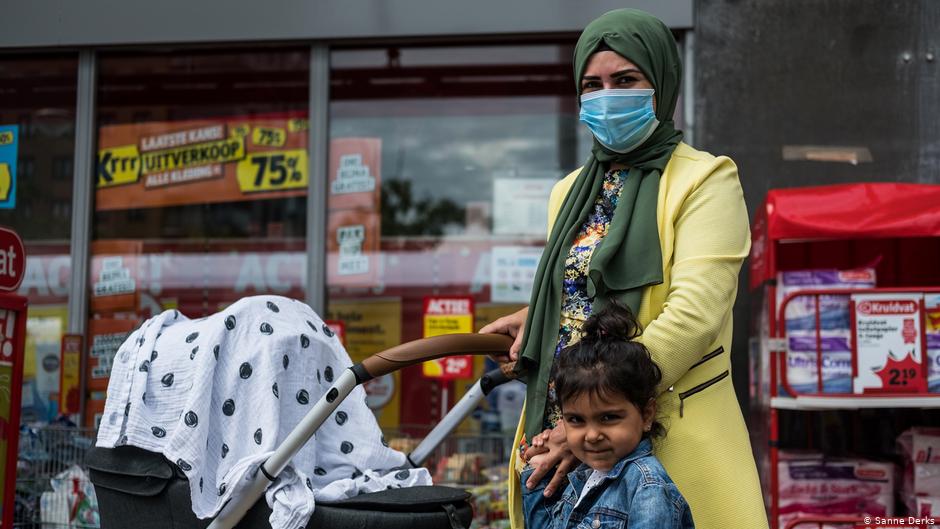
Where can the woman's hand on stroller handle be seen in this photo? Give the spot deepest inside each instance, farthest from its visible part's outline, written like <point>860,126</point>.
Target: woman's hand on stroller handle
<point>512,325</point>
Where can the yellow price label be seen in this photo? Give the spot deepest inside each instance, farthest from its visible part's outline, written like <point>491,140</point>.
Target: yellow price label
<point>432,369</point>
<point>6,138</point>
<point>268,137</point>
<point>297,125</point>
<point>6,181</point>
<point>273,171</point>
<point>436,325</point>
<point>240,131</point>
<point>118,166</point>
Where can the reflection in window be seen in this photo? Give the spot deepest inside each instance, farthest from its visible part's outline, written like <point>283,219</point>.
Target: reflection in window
<point>463,145</point>
<point>200,193</point>
<point>39,101</point>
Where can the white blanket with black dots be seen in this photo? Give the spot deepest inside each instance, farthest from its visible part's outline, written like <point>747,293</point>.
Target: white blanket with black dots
<point>217,395</point>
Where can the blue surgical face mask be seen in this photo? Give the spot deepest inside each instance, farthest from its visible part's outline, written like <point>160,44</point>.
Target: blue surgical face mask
<point>621,119</point>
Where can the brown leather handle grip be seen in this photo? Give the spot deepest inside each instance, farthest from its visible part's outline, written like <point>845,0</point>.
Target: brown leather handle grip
<point>425,349</point>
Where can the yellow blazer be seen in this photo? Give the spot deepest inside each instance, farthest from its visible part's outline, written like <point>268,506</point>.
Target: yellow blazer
<point>687,323</point>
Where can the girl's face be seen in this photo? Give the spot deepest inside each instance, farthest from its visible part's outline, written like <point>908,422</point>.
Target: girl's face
<point>601,430</point>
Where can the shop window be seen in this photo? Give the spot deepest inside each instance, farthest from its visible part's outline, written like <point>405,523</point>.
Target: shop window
<point>38,106</point>
<point>441,162</point>
<point>62,168</point>
<point>191,210</point>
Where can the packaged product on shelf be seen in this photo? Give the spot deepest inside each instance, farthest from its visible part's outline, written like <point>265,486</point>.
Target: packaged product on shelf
<point>920,450</point>
<point>926,479</point>
<point>920,444</point>
<point>932,333</point>
<point>835,332</point>
<point>888,335</point>
<point>845,486</point>
<point>927,506</point>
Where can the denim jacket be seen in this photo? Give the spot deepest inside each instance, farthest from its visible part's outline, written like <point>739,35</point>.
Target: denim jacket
<point>636,494</point>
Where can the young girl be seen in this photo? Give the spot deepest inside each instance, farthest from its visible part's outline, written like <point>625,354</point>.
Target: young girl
<point>606,384</point>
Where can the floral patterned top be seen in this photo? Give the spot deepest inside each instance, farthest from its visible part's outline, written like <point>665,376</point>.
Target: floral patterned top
<point>575,303</point>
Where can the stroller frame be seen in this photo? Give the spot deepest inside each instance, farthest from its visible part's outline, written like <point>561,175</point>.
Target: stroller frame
<point>375,366</point>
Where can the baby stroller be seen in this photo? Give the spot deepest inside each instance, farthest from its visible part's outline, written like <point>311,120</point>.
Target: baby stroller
<point>142,489</point>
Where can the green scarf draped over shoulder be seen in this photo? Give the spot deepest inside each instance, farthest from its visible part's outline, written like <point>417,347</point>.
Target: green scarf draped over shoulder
<point>629,258</point>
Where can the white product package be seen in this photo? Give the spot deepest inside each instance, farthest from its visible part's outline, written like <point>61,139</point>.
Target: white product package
<point>926,479</point>
<point>932,333</point>
<point>889,350</point>
<point>927,506</point>
<point>845,486</point>
<point>835,333</point>
<point>920,444</point>
<point>71,503</point>
<point>920,449</point>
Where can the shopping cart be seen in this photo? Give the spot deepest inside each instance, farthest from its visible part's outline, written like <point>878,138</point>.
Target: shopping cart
<point>142,489</point>
<point>47,454</point>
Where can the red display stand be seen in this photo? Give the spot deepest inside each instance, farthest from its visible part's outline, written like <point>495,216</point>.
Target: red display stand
<point>12,340</point>
<point>893,228</point>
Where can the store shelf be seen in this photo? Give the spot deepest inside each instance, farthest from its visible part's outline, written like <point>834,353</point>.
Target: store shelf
<point>854,403</point>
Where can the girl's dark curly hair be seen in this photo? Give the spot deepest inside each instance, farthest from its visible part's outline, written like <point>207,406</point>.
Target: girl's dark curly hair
<point>607,362</point>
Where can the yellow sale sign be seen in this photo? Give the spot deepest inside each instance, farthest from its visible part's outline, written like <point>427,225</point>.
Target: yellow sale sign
<point>448,316</point>
<point>226,159</point>
<point>70,374</point>
<point>368,326</point>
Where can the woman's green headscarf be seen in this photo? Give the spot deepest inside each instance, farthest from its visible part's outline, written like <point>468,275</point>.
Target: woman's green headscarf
<point>629,258</point>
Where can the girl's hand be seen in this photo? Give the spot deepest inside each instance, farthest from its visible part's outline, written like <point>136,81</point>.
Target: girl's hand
<point>537,447</point>
<point>550,452</point>
<point>512,325</point>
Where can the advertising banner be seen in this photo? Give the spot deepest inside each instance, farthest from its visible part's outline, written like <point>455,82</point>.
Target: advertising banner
<point>70,374</point>
<point>512,270</point>
<point>173,163</point>
<point>42,362</point>
<point>354,218</point>
<point>9,137</point>
<point>338,328</point>
<point>105,336</point>
<point>47,276</point>
<point>114,275</point>
<point>12,340</point>
<point>889,338</point>
<point>12,260</point>
<point>520,205</point>
<point>448,316</point>
<point>371,326</point>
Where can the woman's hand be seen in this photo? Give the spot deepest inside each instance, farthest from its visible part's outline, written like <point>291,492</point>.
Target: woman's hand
<point>549,450</point>
<point>512,325</point>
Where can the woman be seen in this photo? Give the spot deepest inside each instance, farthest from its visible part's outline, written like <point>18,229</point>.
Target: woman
<point>663,228</point>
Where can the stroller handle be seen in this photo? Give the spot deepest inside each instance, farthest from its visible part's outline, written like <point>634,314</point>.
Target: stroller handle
<point>418,351</point>
<point>375,366</point>
<point>499,376</point>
